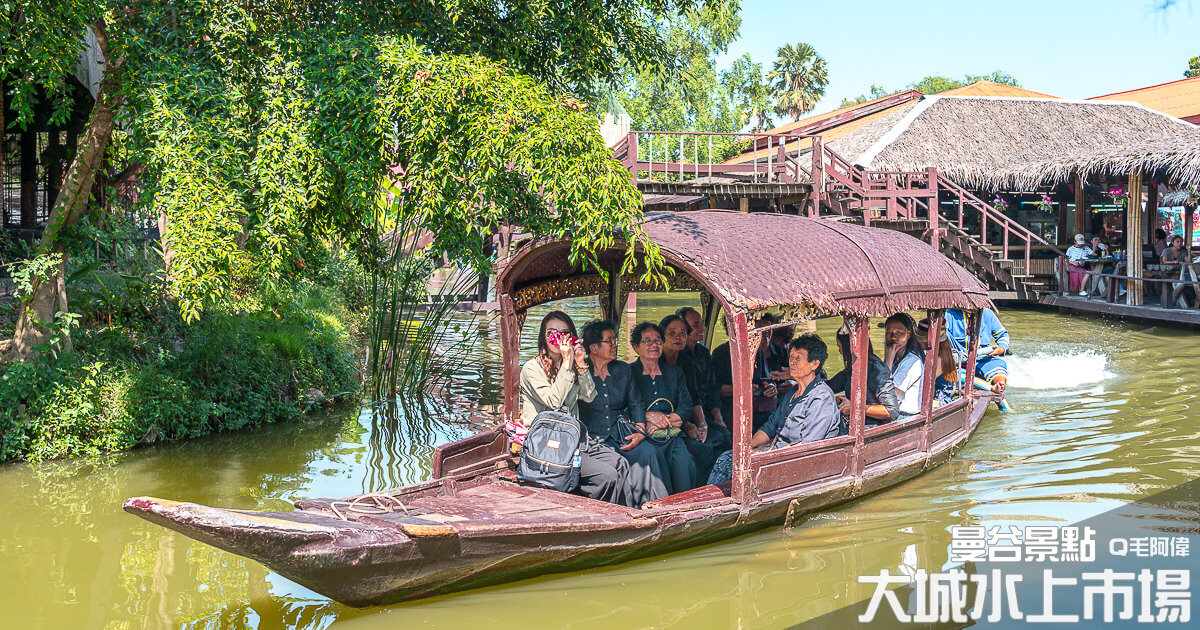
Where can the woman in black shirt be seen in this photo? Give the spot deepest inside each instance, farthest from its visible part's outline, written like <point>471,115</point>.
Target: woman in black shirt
<point>668,405</point>
<point>617,415</point>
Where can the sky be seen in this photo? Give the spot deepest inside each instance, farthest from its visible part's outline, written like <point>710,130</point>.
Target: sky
<point>1067,48</point>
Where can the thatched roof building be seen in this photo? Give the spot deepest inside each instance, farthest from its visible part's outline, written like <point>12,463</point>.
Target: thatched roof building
<point>1016,143</point>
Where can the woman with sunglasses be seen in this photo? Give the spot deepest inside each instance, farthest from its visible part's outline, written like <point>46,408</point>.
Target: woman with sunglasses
<point>616,417</point>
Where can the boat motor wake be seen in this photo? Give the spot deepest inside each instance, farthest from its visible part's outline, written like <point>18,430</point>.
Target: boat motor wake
<point>1065,370</point>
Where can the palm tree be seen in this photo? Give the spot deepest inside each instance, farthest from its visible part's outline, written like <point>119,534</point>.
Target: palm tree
<point>798,79</point>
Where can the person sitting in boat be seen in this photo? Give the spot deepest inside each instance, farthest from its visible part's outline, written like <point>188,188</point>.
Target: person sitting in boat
<point>677,331</point>
<point>904,355</point>
<point>807,412</point>
<point>668,406</point>
<point>993,345</point>
<point>882,406</point>
<point>617,415</point>
<point>947,387</point>
<point>557,379</point>
<point>710,398</point>
<point>769,366</point>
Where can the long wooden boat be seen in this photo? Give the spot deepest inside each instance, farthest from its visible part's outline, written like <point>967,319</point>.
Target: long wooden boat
<point>474,525</point>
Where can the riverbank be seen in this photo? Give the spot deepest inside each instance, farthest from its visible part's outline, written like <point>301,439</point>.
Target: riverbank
<point>151,377</point>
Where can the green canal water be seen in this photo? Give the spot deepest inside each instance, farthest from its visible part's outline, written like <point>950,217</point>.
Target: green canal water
<point>1104,413</point>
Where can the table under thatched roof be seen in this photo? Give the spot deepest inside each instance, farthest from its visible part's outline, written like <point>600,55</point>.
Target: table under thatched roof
<point>771,261</point>
<point>1004,142</point>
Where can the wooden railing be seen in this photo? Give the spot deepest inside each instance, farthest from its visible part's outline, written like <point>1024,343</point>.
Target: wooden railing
<point>664,156</point>
<point>1010,230</point>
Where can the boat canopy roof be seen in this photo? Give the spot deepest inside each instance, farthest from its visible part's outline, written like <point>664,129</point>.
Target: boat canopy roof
<point>804,267</point>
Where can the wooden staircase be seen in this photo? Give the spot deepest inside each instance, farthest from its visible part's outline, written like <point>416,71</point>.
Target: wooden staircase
<point>913,201</point>
<point>924,203</point>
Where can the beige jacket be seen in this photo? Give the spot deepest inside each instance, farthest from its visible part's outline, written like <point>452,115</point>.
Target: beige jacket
<point>539,393</point>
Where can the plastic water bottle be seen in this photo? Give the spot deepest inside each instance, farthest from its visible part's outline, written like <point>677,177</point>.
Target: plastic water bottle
<point>577,461</point>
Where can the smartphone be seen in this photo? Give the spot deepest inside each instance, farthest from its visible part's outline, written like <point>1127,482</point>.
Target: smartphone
<point>556,338</point>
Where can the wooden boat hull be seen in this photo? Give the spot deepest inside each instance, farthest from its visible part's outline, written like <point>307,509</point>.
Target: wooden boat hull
<point>479,527</point>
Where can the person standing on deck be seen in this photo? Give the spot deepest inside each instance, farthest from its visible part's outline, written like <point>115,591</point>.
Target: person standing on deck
<point>556,380</point>
<point>993,344</point>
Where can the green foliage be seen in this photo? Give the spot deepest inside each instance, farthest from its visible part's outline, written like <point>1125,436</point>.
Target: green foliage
<point>263,125</point>
<point>935,84</point>
<point>474,142</point>
<point>877,91</point>
<point>170,380</point>
<point>798,79</point>
<point>1193,69</point>
<point>751,94</point>
<point>686,93</point>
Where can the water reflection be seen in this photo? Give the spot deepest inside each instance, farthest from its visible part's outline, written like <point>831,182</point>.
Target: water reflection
<point>73,559</point>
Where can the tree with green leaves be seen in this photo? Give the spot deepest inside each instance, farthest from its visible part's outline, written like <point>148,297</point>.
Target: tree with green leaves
<point>877,91</point>
<point>745,81</point>
<point>1193,69</point>
<point>798,79</point>
<point>260,125</point>
<point>935,84</point>
<point>685,92</point>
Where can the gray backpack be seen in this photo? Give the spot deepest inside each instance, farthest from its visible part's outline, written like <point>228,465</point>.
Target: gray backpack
<point>551,455</point>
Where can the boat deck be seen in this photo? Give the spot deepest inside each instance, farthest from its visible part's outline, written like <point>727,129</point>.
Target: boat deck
<point>1147,313</point>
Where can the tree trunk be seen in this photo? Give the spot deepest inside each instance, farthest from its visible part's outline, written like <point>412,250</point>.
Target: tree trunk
<point>49,295</point>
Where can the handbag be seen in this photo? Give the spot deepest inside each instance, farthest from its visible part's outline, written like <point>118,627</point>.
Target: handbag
<point>661,435</point>
<point>763,404</point>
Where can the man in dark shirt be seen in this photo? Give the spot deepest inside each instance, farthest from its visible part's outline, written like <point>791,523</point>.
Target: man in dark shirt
<point>769,363</point>
<point>708,391</point>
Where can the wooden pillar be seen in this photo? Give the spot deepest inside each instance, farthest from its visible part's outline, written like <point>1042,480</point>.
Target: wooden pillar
<point>1063,237</point>
<point>1133,238</point>
<point>510,344</point>
<point>28,180</point>
<point>1081,210</point>
<point>1189,215</point>
<point>973,320</point>
<point>631,311</point>
<point>818,177</point>
<point>934,211</point>
<point>932,369</point>
<point>1151,216</point>
<point>744,204</point>
<point>860,341</point>
<point>742,356</point>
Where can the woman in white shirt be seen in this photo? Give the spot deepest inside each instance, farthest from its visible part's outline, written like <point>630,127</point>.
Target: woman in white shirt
<point>905,357</point>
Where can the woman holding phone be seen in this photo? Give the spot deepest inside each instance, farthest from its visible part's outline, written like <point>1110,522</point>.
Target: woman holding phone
<point>557,379</point>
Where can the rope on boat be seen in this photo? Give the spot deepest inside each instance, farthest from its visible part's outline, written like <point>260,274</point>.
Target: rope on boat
<point>379,503</point>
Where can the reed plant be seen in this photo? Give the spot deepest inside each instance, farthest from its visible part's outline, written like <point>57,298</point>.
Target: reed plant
<point>417,336</point>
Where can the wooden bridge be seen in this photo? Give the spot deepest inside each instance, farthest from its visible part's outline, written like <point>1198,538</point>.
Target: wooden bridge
<point>687,170</point>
